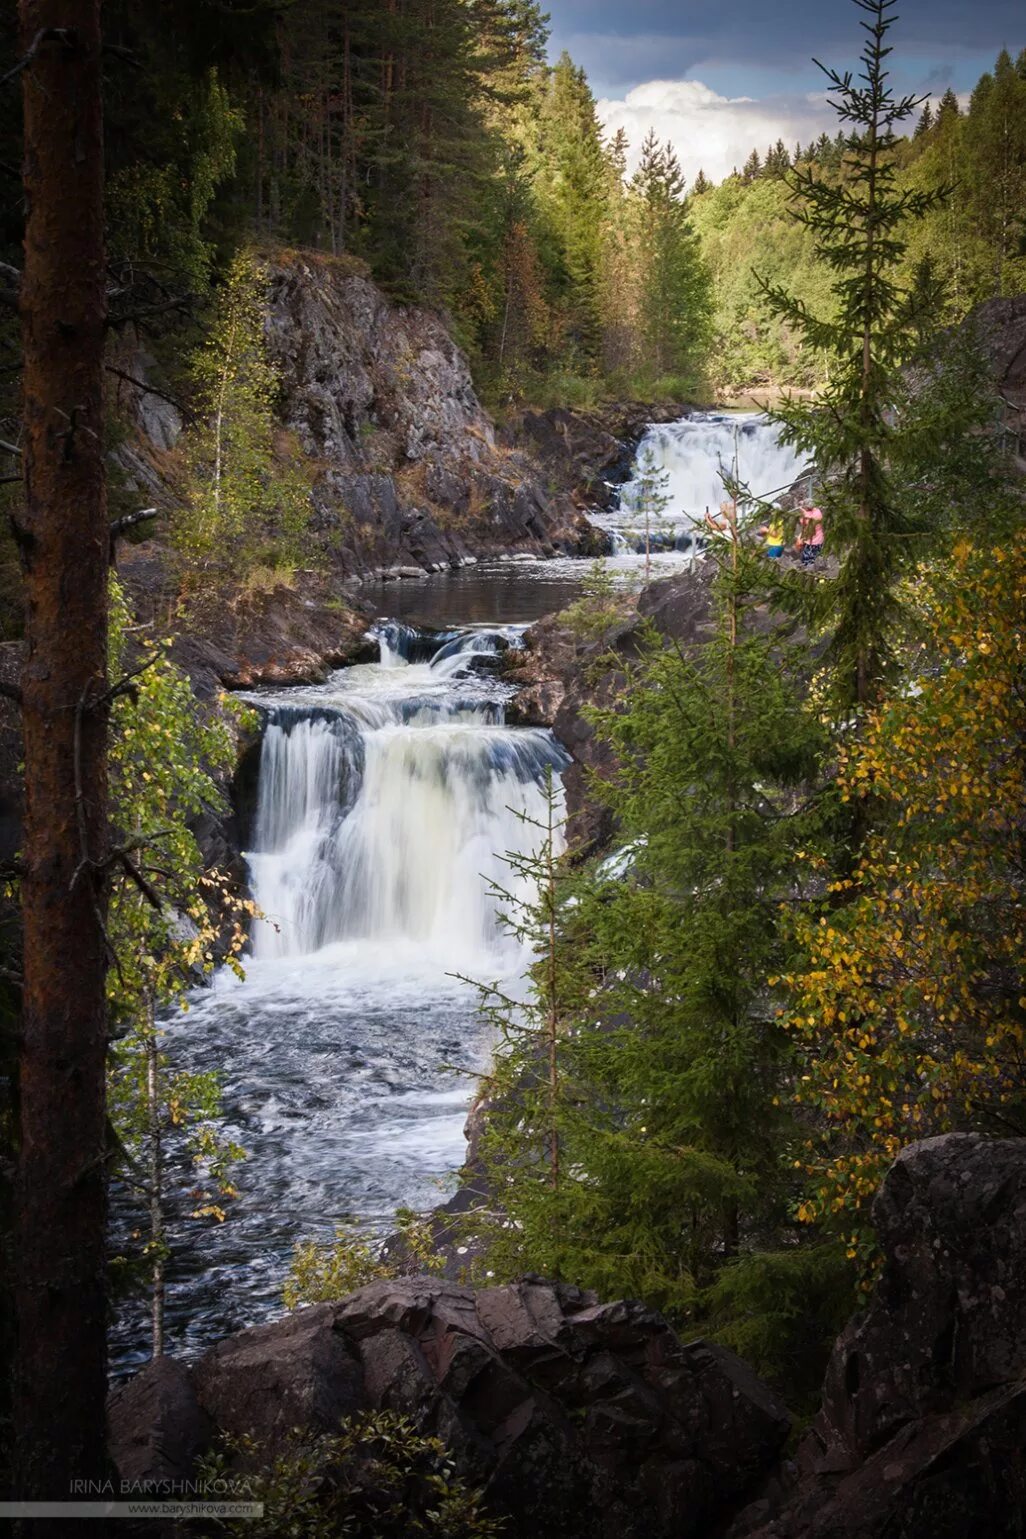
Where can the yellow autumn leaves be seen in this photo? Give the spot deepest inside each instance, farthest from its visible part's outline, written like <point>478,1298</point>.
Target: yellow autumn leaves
<point>910,1007</point>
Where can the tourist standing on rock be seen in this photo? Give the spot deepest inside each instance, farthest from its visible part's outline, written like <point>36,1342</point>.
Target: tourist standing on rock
<point>810,534</point>
<point>773,534</point>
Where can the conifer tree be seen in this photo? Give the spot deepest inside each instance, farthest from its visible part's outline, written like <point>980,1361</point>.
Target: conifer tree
<point>858,223</point>
<point>673,1141</point>
<point>996,147</point>
<point>571,182</point>
<point>649,498</point>
<point>675,293</point>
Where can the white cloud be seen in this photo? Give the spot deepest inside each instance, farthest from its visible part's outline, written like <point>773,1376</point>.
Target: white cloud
<point>712,132</point>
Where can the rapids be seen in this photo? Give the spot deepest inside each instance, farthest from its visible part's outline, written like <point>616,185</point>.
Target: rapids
<point>386,799</point>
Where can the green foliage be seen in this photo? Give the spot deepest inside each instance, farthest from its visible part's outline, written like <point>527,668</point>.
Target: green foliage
<point>158,205</point>
<point>376,1478</point>
<point>675,290</point>
<point>858,225</point>
<point>590,616</point>
<point>649,497</point>
<point>781,1311</point>
<point>971,239</point>
<point>742,227</point>
<point>320,1274</point>
<point>649,1051</point>
<point>170,921</point>
<point>247,500</point>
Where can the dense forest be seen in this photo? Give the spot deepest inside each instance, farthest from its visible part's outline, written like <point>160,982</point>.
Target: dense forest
<point>435,144</point>
<point>793,949</point>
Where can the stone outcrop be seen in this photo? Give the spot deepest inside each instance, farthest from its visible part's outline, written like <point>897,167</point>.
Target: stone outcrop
<point>587,453</point>
<point>922,1429</point>
<point>379,396</point>
<point>577,1418</point>
<point>557,674</point>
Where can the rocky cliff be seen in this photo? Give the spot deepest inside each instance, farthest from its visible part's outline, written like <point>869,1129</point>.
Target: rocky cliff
<point>585,1418</point>
<point>410,472</point>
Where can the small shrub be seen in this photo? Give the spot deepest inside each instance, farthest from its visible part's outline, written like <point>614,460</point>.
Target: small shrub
<point>376,1478</point>
<point>590,616</point>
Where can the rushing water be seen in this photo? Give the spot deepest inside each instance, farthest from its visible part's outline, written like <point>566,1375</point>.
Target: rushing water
<point>386,800</point>
<point>694,454</point>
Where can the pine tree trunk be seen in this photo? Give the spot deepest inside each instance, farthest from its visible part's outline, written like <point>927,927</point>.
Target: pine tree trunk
<point>60,1290</point>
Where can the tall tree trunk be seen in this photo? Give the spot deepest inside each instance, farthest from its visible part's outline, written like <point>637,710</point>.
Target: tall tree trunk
<point>60,1288</point>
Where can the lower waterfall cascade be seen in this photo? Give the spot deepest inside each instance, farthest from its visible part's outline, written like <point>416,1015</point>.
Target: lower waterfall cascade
<point>384,817</point>
<point>386,800</point>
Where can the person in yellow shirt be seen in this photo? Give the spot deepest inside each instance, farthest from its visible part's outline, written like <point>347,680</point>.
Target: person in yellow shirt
<point>773,533</point>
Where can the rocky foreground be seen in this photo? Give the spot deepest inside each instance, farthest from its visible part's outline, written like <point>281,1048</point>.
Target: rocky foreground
<point>586,1418</point>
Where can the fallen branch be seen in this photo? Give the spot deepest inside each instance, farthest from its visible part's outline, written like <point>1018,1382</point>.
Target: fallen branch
<point>141,384</point>
<point>66,35</point>
<point>129,521</point>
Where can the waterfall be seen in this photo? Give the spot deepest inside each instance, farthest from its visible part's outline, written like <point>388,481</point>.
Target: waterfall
<point>694,450</point>
<point>387,803</point>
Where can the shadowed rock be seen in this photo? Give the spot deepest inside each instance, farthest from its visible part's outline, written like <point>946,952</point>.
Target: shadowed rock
<point>922,1429</point>
<point>578,1418</point>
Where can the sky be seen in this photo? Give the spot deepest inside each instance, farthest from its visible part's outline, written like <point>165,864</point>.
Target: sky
<point>718,77</point>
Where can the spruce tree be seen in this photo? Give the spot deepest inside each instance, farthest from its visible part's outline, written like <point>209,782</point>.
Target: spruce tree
<point>858,223</point>
<point>571,183</point>
<point>673,1147</point>
<point>675,290</point>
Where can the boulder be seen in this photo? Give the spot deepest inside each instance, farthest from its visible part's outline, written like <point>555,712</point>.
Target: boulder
<point>156,1424</point>
<point>380,399</point>
<point>578,1418</point>
<point>921,1430</point>
<point>263,1382</point>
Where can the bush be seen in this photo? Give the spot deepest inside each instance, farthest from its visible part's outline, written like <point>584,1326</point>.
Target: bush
<point>376,1478</point>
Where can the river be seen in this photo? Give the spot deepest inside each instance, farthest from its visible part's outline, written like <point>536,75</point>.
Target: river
<point>387,797</point>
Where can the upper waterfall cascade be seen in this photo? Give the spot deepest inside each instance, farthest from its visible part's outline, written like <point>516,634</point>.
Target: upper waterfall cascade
<point>389,797</point>
<point>694,453</point>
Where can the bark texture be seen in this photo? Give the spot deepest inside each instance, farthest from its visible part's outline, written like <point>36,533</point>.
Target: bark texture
<point>63,537</point>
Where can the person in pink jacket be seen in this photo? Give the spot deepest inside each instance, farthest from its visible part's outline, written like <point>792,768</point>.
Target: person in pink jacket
<point>810,534</point>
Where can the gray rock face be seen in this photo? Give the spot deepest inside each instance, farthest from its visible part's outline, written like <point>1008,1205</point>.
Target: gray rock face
<point>381,399</point>
<point>578,1418</point>
<point>922,1430</point>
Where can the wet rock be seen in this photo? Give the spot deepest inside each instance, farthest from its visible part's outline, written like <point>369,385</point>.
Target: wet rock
<point>578,1418</point>
<point>921,1429</point>
<point>587,453</point>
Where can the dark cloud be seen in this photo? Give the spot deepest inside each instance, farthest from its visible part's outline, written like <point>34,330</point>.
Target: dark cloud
<point>621,42</point>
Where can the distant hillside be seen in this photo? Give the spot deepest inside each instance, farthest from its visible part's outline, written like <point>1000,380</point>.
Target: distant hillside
<point>975,244</point>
